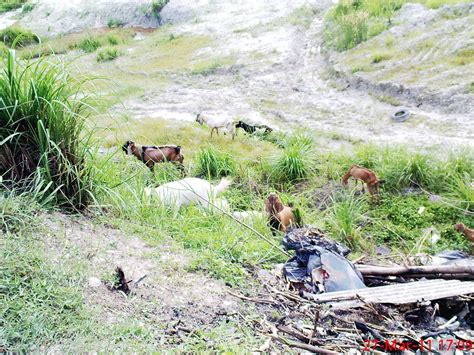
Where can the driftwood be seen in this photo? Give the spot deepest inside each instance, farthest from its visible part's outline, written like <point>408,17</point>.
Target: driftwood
<point>415,270</point>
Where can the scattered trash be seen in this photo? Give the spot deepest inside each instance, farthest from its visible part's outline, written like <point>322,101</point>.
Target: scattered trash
<point>319,264</point>
<point>392,308</point>
<point>401,115</point>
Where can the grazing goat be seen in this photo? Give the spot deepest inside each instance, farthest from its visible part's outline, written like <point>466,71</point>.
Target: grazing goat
<point>217,122</point>
<point>280,217</point>
<point>468,233</point>
<point>153,154</point>
<point>365,176</point>
<point>248,216</point>
<point>252,129</point>
<point>190,190</point>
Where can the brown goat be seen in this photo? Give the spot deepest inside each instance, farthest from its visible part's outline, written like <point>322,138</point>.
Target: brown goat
<point>280,216</point>
<point>150,155</point>
<point>468,233</point>
<point>365,176</point>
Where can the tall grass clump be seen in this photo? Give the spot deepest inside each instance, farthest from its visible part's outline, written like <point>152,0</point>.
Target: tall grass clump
<point>18,37</point>
<point>89,44</point>
<point>461,188</point>
<point>43,139</point>
<point>295,162</point>
<point>107,54</point>
<point>213,164</point>
<point>344,218</point>
<point>9,5</point>
<point>351,22</point>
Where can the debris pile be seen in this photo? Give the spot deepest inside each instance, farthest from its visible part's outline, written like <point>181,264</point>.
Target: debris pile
<point>412,308</point>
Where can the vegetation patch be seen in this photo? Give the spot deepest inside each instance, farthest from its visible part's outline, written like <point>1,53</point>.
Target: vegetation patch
<point>352,22</point>
<point>9,5</point>
<point>89,44</point>
<point>44,153</point>
<point>18,37</point>
<point>303,16</point>
<point>107,54</point>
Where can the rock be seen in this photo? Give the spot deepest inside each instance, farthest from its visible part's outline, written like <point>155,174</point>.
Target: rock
<point>94,282</point>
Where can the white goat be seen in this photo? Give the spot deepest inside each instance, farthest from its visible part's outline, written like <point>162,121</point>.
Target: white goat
<point>248,216</point>
<point>190,190</point>
<point>216,122</point>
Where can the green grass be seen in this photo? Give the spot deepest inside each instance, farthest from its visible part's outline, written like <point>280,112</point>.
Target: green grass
<point>351,22</point>
<point>9,5</point>
<point>107,54</point>
<point>212,163</point>
<point>45,143</point>
<point>112,23</point>
<point>89,44</point>
<point>295,161</point>
<point>17,37</point>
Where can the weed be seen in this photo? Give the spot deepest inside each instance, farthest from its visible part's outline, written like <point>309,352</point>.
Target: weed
<point>380,57</point>
<point>157,6</point>
<point>213,164</point>
<point>44,140</point>
<point>9,5</point>
<point>113,40</point>
<point>28,7</point>
<point>345,217</point>
<point>107,54</point>
<point>294,162</point>
<point>18,37</point>
<point>89,44</point>
<point>113,23</point>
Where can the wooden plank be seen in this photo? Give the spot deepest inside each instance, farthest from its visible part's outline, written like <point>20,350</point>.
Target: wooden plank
<point>412,292</point>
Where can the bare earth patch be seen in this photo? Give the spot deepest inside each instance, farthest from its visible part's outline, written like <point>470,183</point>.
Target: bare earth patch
<point>166,297</point>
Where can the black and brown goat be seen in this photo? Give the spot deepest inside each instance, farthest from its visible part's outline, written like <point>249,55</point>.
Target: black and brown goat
<point>150,155</point>
<point>252,129</point>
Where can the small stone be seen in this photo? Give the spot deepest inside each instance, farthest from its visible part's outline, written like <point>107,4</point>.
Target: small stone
<point>94,282</point>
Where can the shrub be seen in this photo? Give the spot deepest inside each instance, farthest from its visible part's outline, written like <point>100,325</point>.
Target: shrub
<point>89,44</point>
<point>111,23</point>
<point>345,216</point>
<point>296,160</point>
<point>9,5</point>
<point>18,37</point>
<point>44,144</point>
<point>157,6</point>
<point>27,8</point>
<point>107,54</point>
<point>113,41</point>
<point>213,163</point>
<point>354,21</point>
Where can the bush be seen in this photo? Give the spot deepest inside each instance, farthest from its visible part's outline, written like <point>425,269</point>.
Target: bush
<point>157,6</point>
<point>295,162</point>
<point>213,163</point>
<point>354,21</point>
<point>89,44</point>
<point>113,41</point>
<point>8,5</point>
<point>18,37</point>
<point>44,143</point>
<point>107,54</point>
<point>345,216</point>
<point>115,23</point>
<point>27,8</point>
